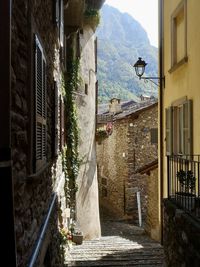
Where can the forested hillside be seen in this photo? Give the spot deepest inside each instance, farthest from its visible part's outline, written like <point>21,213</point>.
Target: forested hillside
<point>121,40</point>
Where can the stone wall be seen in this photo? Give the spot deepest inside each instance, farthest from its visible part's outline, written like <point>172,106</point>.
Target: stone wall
<point>119,158</point>
<point>113,170</point>
<point>33,193</point>
<point>181,237</point>
<point>153,205</point>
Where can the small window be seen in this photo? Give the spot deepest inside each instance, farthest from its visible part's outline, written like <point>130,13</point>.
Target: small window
<point>104,192</point>
<point>178,36</point>
<point>104,181</point>
<point>154,136</point>
<point>40,106</point>
<point>86,89</point>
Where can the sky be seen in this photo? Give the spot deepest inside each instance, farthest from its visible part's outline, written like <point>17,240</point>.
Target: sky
<point>144,11</point>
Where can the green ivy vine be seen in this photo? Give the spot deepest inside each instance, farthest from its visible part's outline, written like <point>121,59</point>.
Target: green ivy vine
<point>70,159</point>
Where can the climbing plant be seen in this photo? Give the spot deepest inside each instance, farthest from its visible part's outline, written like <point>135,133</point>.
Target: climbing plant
<point>71,162</point>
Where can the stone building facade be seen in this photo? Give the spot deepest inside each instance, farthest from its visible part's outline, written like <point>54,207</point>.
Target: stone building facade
<point>149,173</point>
<point>122,156</point>
<point>181,242</point>
<point>36,39</point>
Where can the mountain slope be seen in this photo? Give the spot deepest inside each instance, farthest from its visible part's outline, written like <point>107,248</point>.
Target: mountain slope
<point>121,40</point>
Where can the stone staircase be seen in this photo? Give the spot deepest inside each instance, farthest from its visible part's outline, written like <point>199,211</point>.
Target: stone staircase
<point>130,247</point>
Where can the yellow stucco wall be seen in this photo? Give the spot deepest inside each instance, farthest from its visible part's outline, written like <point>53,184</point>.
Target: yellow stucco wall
<point>184,81</point>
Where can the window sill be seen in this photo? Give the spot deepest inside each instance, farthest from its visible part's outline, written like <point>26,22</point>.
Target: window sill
<point>177,65</point>
<point>37,176</point>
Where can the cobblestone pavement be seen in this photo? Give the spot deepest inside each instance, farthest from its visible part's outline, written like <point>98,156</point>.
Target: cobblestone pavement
<point>121,244</point>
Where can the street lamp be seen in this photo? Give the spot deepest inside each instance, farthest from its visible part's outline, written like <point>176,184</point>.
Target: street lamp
<point>140,69</point>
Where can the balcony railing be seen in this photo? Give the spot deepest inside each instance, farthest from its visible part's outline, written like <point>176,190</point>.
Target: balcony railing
<point>184,182</point>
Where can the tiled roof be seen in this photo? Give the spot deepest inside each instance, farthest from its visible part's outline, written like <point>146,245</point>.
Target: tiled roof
<point>128,108</point>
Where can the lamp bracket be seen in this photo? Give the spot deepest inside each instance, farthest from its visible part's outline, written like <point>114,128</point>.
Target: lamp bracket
<point>154,78</point>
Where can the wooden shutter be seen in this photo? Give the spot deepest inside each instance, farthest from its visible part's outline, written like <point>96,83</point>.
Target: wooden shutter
<point>187,128</point>
<point>62,117</point>
<point>40,106</point>
<point>178,129</point>
<point>168,128</point>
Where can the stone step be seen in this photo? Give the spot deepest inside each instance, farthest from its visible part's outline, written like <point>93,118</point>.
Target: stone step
<point>128,253</point>
<point>129,263</point>
<point>115,251</point>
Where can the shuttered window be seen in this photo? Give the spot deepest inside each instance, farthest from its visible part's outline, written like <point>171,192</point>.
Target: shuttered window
<point>187,127</point>
<point>179,35</point>
<point>40,106</point>
<point>62,124</point>
<point>179,129</point>
<point>168,126</point>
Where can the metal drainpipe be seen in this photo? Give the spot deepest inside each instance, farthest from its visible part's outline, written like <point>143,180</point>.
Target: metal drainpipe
<point>8,252</point>
<point>161,74</point>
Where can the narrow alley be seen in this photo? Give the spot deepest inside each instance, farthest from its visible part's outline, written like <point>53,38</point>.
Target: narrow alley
<point>121,244</point>
<point>99,133</point>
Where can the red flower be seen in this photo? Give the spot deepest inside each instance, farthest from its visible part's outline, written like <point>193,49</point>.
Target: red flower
<point>109,128</point>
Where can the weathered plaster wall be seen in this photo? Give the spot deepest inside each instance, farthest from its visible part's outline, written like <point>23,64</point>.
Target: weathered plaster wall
<point>32,195</point>
<point>181,237</point>
<point>87,204</point>
<point>119,157</point>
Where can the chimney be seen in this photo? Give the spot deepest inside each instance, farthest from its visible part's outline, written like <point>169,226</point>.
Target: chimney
<point>115,106</point>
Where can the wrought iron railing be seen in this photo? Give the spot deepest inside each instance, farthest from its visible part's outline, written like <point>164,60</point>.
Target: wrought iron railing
<point>183,174</point>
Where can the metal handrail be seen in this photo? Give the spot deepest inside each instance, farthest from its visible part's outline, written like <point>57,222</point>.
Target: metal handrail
<point>42,234</point>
